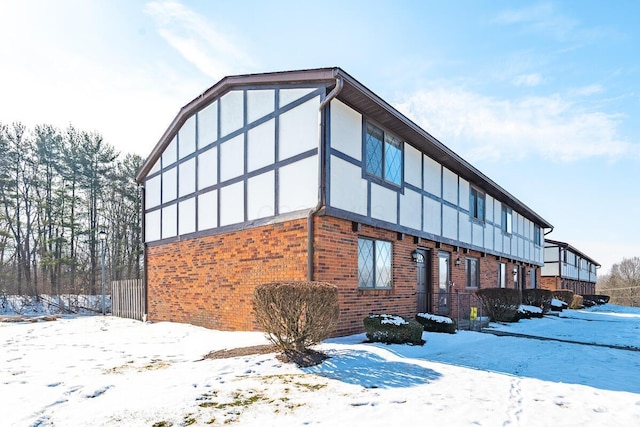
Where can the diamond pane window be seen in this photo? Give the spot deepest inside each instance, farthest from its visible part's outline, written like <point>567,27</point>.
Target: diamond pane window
<point>374,263</point>
<point>383,156</point>
<point>365,263</point>
<point>392,159</point>
<point>374,151</point>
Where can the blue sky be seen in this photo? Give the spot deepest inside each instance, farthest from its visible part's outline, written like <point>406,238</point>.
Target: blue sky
<point>541,96</point>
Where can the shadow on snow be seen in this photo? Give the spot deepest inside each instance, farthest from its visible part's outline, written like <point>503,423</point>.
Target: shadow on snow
<point>372,371</point>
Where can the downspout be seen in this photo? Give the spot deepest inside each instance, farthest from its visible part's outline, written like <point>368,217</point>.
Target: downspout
<point>143,236</point>
<point>321,176</point>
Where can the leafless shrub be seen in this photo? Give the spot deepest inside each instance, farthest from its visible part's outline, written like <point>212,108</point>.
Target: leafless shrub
<point>577,302</point>
<point>296,315</point>
<point>563,295</point>
<point>501,304</point>
<point>538,298</point>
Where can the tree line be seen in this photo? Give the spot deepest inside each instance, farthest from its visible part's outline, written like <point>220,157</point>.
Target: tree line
<point>622,283</point>
<point>58,189</point>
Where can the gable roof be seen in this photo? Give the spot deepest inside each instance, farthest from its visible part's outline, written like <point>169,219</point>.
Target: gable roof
<point>572,249</point>
<point>359,97</point>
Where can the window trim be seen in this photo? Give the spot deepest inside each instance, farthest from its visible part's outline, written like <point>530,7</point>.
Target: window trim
<point>382,179</point>
<point>375,269</point>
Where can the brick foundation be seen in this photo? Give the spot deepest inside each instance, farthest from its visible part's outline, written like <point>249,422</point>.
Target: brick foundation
<point>209,281</point>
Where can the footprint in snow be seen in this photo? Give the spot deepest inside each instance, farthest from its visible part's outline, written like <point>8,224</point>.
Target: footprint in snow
<point>97,392</point>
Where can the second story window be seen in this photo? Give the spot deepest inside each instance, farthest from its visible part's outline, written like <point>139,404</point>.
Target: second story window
<point>537,236</point>
<point>507,220</point>
<point>476,204</point>
<point>383,155</point>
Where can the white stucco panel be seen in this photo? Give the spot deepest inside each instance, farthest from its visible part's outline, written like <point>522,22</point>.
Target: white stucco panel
<point>464,194</point>
<point>152,226</point>
<point>449,186</point>
<point>208,125</point>
<point>187,177</point>
<point>287,96</point>
<point>299,129</point>
<point>232,158</point>
<point>465,227</point>
<point>348,189</point>
<point>169,185</point>
<point>432,216</point>
<point>298,185</point>
<point>488,214</point>
<point>170,154</point>
<point>170,221</point>
<point>477,234</point>
<point>261,196</point>
<point>346,130</point>
<point>259,104</point>
<point>488,237</point>
<point>187,137</point>
<point>497,239</point>
<point>449,222</point>
<point>232,204</point>
<point>411,209</point>
<point>384,203</point>
<point>208,210</point>
<point>207,168</point>
<point>187,216</point>
<point>412,166</point>
<point>261,141</point>
<point>432,176</point>
<point>231,112</point>
<point>152,192</point>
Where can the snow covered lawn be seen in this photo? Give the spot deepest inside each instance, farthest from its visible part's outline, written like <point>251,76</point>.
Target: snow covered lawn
<point>92,371</point>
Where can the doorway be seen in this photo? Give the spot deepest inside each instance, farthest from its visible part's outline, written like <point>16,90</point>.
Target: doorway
<point>443,283</point>
<point>423,293</point>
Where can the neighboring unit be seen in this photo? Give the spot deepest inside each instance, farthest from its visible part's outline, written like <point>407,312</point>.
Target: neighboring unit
<point>565,267</point>
<point>308,175</point>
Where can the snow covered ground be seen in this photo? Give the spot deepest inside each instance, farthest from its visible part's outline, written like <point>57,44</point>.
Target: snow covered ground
<point>92,371</point>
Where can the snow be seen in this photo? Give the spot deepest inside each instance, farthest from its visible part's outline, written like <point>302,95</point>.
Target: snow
<point>390,319</point>
<point>103,371</point>
<point>529,309</point>
<point>558,303</point>
<point>435,318</point>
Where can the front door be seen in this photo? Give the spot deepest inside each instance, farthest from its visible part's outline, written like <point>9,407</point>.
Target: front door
<point>443,283</point>
<point>424,287</point>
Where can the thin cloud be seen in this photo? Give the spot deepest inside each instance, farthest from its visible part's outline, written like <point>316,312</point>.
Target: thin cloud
<point>527,80</point>
<point>544,19</point>
<point>197,39</point>
<point>483,127</point>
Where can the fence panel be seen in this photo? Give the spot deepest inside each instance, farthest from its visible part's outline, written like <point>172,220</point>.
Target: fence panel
<point>128,299</point>
<point>467,310</point>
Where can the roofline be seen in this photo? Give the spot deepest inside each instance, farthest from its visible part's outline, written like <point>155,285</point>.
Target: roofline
<point>285,77</point>
<point>572,249</point>
<point>437,150</point>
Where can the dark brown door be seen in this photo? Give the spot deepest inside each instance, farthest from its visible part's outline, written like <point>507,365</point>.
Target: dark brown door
<point>424,286</point>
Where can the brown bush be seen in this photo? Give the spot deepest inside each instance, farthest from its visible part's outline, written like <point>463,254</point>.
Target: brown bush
<point>537,298</point>
<point>296,315</point>
<point>501,304</point>
<point>564,295</point>
<point>577,302</point>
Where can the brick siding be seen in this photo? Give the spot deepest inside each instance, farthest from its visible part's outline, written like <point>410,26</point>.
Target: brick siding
<point>209,281</point>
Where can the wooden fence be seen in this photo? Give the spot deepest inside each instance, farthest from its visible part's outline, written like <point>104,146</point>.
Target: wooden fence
<point>127,299</point>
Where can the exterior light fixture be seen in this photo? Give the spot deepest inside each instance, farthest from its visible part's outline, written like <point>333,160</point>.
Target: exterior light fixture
<point>458,262</point>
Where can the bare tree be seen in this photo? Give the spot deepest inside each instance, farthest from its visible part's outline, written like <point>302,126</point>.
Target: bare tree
<point>623,283</point>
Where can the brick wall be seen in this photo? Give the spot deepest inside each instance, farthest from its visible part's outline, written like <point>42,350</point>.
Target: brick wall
<point>209,281</point>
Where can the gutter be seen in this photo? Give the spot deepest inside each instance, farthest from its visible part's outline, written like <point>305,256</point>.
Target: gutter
<point>321,174</point>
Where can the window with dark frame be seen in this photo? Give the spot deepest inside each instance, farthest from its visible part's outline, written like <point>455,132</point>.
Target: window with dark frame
<point>476,204</point>
<point>374,264</point>
<point>473,273</point>
<point>383,155</point>
<point>507,220</point>
<point>537,236</point>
